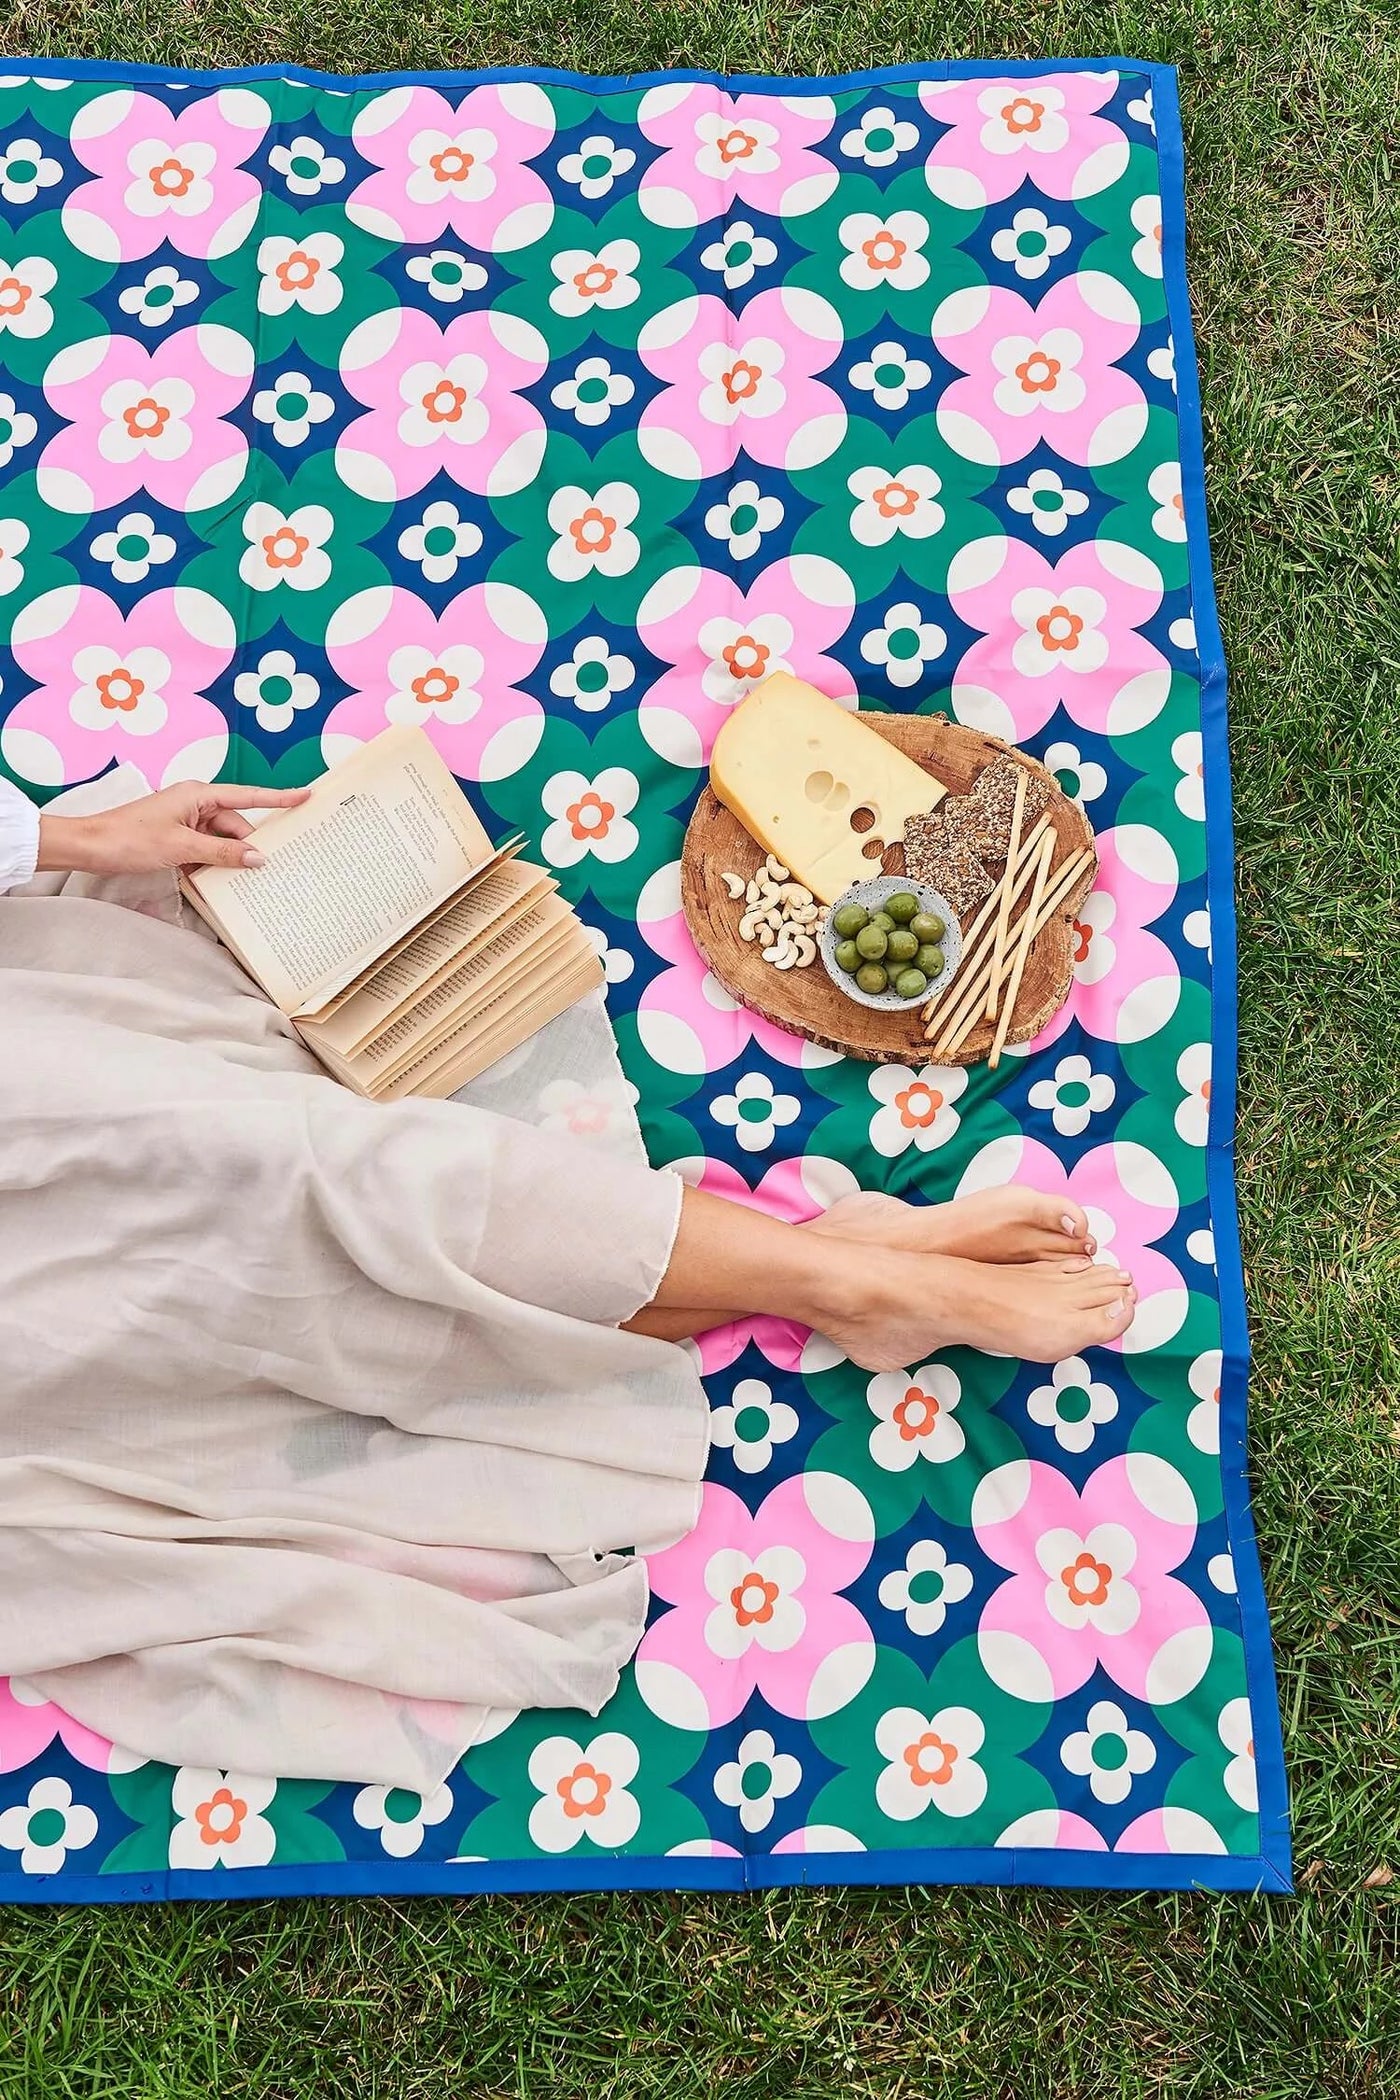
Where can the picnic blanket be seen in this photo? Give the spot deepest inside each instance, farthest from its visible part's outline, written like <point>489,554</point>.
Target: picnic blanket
<point>552,414</point>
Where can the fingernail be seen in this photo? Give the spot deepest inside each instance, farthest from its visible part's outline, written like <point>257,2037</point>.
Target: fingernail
<point>253,859</point>
<point>1069,1225</point>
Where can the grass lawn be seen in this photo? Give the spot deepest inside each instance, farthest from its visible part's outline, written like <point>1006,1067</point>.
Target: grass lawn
<point>1292,141</point>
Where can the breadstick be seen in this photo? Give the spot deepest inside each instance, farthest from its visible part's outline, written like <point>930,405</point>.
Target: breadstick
<point>969,986</point>
<point>999,944</point>
<point>975,930</point>
<point>1047,854</point>
<point>1061,884</point>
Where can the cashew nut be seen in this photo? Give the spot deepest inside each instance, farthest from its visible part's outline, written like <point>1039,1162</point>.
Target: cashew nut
<point>804,950</point>
<point>776,869</point>
<point>748,926</point>
<point>734,884</point>
<point>766,937</point>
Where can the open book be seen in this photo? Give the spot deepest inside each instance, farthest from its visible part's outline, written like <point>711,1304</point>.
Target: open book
<point>409,951</point>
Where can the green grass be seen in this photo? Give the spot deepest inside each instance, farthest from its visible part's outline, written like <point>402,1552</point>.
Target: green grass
<point>1292,137</point>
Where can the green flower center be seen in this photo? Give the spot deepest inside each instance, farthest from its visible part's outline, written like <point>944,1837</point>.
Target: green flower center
<point>275,691</point>
<point>1071,1403</point>
<point>743,519</point>
<point>440,539</point>
<point>133,546</point>
<point>446,273</point>
<point>738,253</point>
<point>304,167</point>
<point>597,164</point>
<point>292,407</point>
<point>1110,1753</point>
<point>751,1425</point>
<point>592,389</point>
<point>889,375</point>
<point>1072,1093</point>
<point>401,1806</point>
<point>1068,779</point>
<point>904,643</point>
<point>591,677</point>
<point>755,1781</point>
<point>1031,243</point>
<point>7,430</point>
<point>46,1826</point>
<point>926,1587</point>
<point>880,139</point>
<point>22,170</point>
<point>159,294</point>
<point>755,1109</point>
<point>1047,499</point>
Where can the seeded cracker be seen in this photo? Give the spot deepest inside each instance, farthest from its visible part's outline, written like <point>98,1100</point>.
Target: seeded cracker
<point>983,817</point>
<point>948,865</point>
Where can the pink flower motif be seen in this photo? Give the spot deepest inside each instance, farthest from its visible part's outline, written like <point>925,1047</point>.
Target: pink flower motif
<point>1091,1582</point>
<point>163,175</point>
<point>721,641</point>
<point>463,168</point>
<point>441,400</point>
<point>1057,634</point>
<point>1171,1830</point>
<point>1126,980</point>
<point>1046,373</point>
<point>1131,1201</point>
<point>116,687</point>
<point>1051,1830</point>
<point>29,1723</point>
<point>757,1609</point>
<point>724,150</point>
<point>793,1190</point>
<point>147,419</point>
<point>1005,132</point>
<point>455,675</point>
<point>741,383</point>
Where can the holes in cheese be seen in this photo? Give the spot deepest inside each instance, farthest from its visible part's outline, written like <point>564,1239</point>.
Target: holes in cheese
<point>798,771</point>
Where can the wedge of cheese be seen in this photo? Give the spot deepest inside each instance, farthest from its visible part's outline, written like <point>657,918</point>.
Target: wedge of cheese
<point>815,785</point>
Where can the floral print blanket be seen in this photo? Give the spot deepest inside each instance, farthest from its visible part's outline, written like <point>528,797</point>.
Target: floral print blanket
<point>552,413</point>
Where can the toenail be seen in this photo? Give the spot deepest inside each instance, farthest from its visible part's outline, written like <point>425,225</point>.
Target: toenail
<point>1116,1309</point>
<point>1070,1227</point>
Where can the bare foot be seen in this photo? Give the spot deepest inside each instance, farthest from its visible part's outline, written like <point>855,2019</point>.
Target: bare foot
<point>994,1225</point>
<point>1041,1311</point>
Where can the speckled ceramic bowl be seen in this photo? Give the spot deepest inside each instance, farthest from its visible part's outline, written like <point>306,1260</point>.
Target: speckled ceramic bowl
<point>872,896</point>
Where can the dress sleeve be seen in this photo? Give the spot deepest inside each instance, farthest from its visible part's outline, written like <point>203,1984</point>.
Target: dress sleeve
<point>19,837</point>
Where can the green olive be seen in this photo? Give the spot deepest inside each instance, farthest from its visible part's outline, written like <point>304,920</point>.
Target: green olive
<point>929,959</point>
<point>928,926</point>
<point>910,983</point>
<point>901,946</point>
<point>847,957</point>
<point>871,941</point>
<point>883,920</point>
<point>872,977</point>
<point>849,920</point>
<point>902,907</point>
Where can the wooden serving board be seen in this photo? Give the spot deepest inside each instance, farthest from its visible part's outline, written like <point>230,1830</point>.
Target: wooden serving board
<point>806,1002</point>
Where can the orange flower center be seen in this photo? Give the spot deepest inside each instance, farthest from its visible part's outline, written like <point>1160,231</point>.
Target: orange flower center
<point>220,1818</point>
<point>746,657</point>
<point>598,278</point>
<point>593,531</point>
<point>1205,1096</point>
<point>1039,373</point>
<point>1059,628</point>
<point>916,1415</point>
<point>918,1105</point>
<point>1087,1580</point>
<point>741,381</point>
<point>584,1791</point>
<point>1022,115</point>
<point>284,548</point>
<point>120,689</point>
<point>1082,936</point>
<point>14,296</point>
<point>735,145</point>
<point>452,164</point>
<point>930,1760</point>
<point>895,500</point>
<point>299,272</point>
<point>445,402</point>
<point>434,687</point>
<point>753,1599</point>
<point>884,250</point>
<point>171,178</point>
<point>147,419</point>
<point>590,816</point>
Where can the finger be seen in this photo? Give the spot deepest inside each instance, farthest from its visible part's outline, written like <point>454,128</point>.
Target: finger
<point>201,849</point>
<point>227,795</point>
<point>227,824</point>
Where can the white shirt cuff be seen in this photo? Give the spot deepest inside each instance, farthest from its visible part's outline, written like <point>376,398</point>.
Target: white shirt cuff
<point>19,837</point>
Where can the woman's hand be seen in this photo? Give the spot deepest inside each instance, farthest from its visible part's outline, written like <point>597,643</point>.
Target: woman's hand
<point>190,826</point>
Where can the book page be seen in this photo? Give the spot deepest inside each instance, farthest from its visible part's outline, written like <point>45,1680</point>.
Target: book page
<point>461,1057</point>
<point>517,983</point>
<point>384,838</point>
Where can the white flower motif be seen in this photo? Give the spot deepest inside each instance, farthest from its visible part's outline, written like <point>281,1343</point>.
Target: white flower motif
<point>618,963</point>
<point>300,273</point>
<point>588,1112</point>
<point>1235,1728</point>
<point>447,275</point>
<point>751,1424</point>
<point>17,429</point>
<point>593,393</point>
<point>133,547</point>
<point>593,531</point>
<point>168,178</point>
<point>1108,1753</point>
<point>286,547</point>
<point>759,1777</point>
<point>596,166</point>
<point>742,380</point>
<point>146,419</point>
<point>1076,1093</point>
<point>737,658</point>
<point>880,138</point>
<point>884,251</point>
<point>292,405</point>
<point>1164,487</point>
<point>1081,779</point>
<point>738,253</point>
<point>14,538</point>
<point>400,1816</point>
<point>1192,1118</point>
<point>1182,634</point>
<point>1195,928</point>
<point>1074,1404</point>
<point>305,166</point>
<point>443,401</point>
<point>1161,363</point>
<point>127,690</point>
<point>728,146</point>
<point>1087,1578</point>
<point>47,1826</point>
<point>916,1108</point>
<point>442,685</point>
<point>590,816</point>
<point>439,541</point>
<point>904,644</point>
<point>276,690</point>
<point>1140,110</point>
<point>755,1600</point>
<point>1039,372</point>
<point>1030,243</point>
<point>24,287</point>
<point>932,1762</point>
<point>898,503</point>
<point>1190,791</point>
<point>1203,1422</point>
<point>914,1413</point>
<point>925,1586</point>
<point>1023,120</point>
<point>891,375</point>
<point>220,1820</point>
<point>452,164</point>
<point>159,296</point>
<point>743,518</point>
<point>1043,498</point>
<point>592,675</point>
<point>603,278</point>
<point>583,1790</point>
<point>1200,1245</point>
<point>1060,630</point>
<point>25,169</point>
<point>1146,216</point>
<point>754,1112</point>
<point>1221,1570</point>
<point>1095,950</point>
